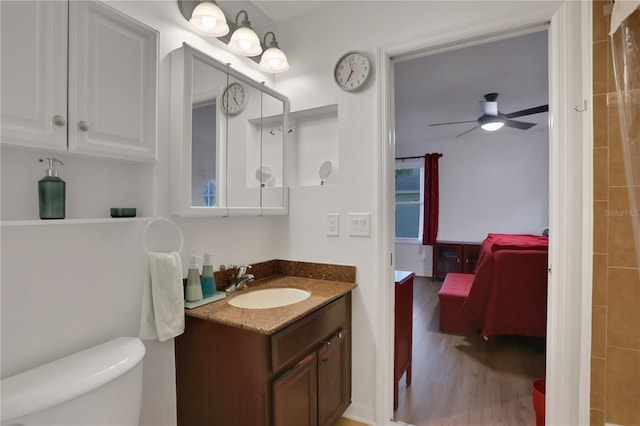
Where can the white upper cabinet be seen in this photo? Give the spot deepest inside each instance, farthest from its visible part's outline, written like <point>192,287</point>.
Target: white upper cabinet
<point>34,74</point>
<point>112,74</point>
<point>113,83</point>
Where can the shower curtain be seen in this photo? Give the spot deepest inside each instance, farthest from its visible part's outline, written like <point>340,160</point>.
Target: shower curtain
<point>625,48</point>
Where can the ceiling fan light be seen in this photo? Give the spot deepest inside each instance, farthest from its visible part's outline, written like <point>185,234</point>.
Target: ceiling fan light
<point>208,19</point>
<point>491,123</point>
<point>492,126</point>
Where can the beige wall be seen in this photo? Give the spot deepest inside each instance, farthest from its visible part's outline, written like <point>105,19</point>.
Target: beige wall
<point>615,356</point>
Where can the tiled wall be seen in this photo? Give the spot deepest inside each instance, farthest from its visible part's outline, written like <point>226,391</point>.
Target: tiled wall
<point>615,356</point>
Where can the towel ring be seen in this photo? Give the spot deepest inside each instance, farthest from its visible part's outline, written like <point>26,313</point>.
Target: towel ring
<point>160,219</point>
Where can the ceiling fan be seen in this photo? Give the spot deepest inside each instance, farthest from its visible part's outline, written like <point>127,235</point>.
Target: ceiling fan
<point>492,119</point>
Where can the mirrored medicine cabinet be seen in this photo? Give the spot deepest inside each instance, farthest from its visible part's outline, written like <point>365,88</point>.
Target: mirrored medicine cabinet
<point>228,135</point>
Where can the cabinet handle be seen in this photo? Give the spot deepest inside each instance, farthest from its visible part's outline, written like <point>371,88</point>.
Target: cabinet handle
<point>458,260</point>
<point>324,361</point>
<point>339,334</point>
<point>59,120</point>
<point>83,125</point>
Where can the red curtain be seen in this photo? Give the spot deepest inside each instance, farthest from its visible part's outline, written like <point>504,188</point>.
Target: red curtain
<point>431,199</point>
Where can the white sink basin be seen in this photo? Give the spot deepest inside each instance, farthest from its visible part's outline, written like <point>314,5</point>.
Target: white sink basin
<point>269,298</point>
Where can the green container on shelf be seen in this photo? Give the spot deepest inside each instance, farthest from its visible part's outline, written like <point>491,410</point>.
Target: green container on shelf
<point>52,192</point>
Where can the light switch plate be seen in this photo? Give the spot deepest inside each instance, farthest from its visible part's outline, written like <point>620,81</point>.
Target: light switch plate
<point>359,224</point>
<point>333,224</point>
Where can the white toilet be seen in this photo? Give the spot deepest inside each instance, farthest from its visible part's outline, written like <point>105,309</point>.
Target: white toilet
<point>98,386</point>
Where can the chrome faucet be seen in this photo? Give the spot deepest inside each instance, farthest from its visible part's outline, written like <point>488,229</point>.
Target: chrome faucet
<point>240,279</point>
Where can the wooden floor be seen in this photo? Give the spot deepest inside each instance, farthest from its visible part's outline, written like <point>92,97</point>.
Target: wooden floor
<point>464,380</point>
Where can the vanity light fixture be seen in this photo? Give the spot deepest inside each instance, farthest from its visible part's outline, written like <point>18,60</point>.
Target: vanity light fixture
<point>491,123</point>
<point>273,59</point>
<point>244,41</point>
<point>208,19</point>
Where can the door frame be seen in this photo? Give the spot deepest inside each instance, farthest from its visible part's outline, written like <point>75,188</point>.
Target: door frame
<point>570,202</point>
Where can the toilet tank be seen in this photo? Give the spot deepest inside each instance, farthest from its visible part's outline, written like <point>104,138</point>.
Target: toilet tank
<point>101,385</point>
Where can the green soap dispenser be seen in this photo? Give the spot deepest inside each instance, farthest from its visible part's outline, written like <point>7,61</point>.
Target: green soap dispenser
<point>208,278</point>
<point>52,192</point>
<point>193,289</point>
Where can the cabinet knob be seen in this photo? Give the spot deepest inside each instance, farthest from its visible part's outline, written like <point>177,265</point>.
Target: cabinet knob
<point>83,125</point>
<point>59,120</point>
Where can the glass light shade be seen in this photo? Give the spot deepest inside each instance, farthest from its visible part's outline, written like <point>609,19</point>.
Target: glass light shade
<point>244,41</point>
<point>492,125</point>
<point>208,19</point>
<point>274,60</point>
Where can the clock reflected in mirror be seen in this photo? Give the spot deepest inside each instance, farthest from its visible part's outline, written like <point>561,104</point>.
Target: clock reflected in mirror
<point>234,99</point>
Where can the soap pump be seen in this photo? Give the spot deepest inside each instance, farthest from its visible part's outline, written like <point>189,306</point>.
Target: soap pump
<point>193,290</point>
<point>51,192</point>
<point>208,279</point>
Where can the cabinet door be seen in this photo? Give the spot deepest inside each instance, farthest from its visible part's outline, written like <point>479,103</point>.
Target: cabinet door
<point>295,395</point>
<point>333,388</point>
<point>34,74</point>
<point>446,258</point>
<point>470,254</point>
<point>112,84</point>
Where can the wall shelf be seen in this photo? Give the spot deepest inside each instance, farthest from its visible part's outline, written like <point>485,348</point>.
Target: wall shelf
<point>9,223</point>
<point>316,141</point>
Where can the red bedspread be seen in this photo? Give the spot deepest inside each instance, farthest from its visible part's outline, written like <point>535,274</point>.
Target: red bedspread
<point>509,292</point>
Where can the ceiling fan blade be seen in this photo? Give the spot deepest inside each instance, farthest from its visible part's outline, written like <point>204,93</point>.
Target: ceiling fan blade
<point>528,111</point>
<point>453,122</point>
<point>522,125</point>
<point>490,108</point>
<point>473,128</point>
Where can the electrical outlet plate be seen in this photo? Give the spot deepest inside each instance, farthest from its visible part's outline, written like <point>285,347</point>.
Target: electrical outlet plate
<point>360,224</point>
<point>333,224</point>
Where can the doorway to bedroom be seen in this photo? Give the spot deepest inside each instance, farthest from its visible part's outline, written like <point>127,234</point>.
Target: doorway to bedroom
<point>489,182</point>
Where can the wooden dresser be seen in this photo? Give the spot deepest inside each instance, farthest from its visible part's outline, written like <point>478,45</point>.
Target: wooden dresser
<point>403,336</point>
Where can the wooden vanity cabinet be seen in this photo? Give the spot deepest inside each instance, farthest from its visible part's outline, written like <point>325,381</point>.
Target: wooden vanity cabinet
<point>300,375</point>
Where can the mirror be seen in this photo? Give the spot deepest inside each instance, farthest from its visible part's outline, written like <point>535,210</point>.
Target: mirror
<point>270,174</point>
<point>227,140</point>
<point>243,150</point>
<point>207,83</point>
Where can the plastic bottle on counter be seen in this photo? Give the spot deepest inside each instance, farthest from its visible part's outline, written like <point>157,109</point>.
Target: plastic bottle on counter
<point>208,279</point>
<point>193,290</point>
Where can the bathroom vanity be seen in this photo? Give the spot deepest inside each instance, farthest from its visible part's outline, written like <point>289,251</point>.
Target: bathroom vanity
<point>289,365</point>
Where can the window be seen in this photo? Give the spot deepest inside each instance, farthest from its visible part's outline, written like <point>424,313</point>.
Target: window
<point>409,200</point>
<point>210,193</point>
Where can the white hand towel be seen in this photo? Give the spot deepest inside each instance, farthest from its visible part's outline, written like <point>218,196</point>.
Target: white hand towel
<point>162,298</point>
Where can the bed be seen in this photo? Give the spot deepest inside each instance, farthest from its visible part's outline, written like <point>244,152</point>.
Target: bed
<point>509,291</point>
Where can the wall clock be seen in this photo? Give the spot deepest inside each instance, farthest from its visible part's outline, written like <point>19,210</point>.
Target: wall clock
<point>234,99</point>
<point>352,71</point>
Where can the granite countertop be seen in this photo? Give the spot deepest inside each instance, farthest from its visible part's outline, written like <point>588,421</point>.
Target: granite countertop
<point>268,321</point>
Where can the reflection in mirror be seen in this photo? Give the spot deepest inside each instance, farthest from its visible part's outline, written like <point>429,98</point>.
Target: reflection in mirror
<point>243,148</point>
<point>270,176</point>
<point>208,83</point>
